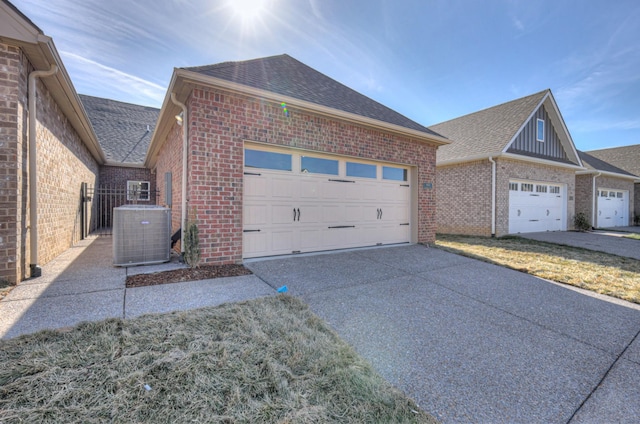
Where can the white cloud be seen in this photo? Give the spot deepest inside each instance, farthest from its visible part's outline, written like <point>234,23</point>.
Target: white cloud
<point>92,77</point>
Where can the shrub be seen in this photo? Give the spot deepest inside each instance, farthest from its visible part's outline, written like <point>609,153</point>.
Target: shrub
<point>192,241</point>
<point>581,223</point>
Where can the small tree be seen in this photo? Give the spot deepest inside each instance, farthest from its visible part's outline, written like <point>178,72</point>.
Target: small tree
<point>581,223</point>
<point>192,241</point>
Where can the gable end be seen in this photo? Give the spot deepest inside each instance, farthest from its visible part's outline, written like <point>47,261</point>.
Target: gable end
<point>526,143</point>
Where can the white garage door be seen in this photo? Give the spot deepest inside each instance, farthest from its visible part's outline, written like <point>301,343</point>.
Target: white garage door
<point>536,206</point>
<point>613,208</point>
<point>298,202</point>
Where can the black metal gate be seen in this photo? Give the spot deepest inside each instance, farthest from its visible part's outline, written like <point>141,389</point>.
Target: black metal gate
<point>98,203</point>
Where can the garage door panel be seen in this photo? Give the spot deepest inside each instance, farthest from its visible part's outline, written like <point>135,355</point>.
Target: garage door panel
<point>256,186</point>
<point>290,211</point>
<point>613,208</point>
<point>255,214</point>
<point>535,206</point>
<point>282,188</point>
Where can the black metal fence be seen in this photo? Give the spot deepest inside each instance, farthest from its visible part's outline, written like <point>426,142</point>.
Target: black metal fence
<point>98,203</point>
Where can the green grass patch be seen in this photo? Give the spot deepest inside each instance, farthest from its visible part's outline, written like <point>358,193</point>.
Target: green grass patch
<point>634,236</point>
<point>596,271</point>
<point>267,360</point>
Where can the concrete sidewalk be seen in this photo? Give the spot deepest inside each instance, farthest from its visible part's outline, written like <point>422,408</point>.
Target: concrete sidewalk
<point>606,241</point>
<point>83,285</point>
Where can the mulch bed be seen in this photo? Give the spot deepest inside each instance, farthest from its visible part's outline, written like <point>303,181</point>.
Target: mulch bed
<point>186,274</point>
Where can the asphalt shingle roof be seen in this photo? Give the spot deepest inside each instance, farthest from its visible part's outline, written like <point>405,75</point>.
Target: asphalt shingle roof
<point>592,162</point>
<point>123,129</point>
<point>626,157</point>
<point>487,131</point>
<point>287,76</point>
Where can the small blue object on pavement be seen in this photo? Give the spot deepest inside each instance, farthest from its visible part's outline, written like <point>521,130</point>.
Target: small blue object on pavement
<point>283,289</point>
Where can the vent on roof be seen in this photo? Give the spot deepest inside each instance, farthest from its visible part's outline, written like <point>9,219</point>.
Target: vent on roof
<point>141,235</point>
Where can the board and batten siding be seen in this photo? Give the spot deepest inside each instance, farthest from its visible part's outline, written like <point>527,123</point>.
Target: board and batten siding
<point>526,141</point>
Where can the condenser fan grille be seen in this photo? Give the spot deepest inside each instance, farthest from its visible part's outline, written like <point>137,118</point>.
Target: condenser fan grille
<point>141,235</point>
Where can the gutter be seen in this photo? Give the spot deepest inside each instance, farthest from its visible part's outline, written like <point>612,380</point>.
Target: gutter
<point>36,271</point>
<point>185,141</point>
<point>493,196</point>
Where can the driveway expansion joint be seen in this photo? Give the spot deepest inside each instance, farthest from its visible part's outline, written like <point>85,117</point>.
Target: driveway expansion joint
<point>604,377</point>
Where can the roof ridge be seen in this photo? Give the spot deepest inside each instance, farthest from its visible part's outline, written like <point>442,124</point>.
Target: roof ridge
<point>503,104</point>
<point>118,101</point>
<point>232,63</point>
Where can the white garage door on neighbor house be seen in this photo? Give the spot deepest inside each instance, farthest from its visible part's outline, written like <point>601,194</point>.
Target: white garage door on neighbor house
<point>297,201</point>
<point>613,208</point>
<point>536,206</point>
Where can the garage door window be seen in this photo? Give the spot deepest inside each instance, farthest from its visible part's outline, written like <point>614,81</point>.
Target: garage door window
<point>395,174</point>
<point>513,186</point>
<point>362,170</point>
<point>554,189</point>
<point>267,160</point>
<point>527,187</point>
<point>541,188</point>
<point>319,166</point>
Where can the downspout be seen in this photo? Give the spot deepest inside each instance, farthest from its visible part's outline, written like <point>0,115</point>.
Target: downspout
<point>185,127</point>
<point>593,201</point>
<point>36,271</point>
<point>493,196</point>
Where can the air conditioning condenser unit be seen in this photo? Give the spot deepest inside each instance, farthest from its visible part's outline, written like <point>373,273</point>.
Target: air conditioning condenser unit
<point>141,235</point>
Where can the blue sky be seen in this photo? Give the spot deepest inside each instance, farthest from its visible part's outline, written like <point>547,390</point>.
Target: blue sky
<point>431,60</point>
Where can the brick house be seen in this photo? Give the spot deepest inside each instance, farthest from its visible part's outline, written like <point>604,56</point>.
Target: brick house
<point>124,131</point>
<point>510,169</point>
<point>48,149</point>
<point>605,193</point>
<point>626,158</point>
<point>283,159</point>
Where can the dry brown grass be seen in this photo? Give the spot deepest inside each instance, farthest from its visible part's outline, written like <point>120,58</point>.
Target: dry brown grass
<point>596,271</point>
<point>267,360</point>
<point>634,236</point>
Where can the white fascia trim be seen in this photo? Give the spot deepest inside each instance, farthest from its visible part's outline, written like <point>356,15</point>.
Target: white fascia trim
<point>198,78</point>
<point>541,161</point>
<point>124,164</point>
<point>609,174</point>
<point>468,159</point>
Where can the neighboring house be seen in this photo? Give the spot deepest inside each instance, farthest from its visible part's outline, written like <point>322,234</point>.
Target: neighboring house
<point>124,131</point>
<point>605,190</point>
<point>283,159</point>
<point>48,150</point>
<point>626,158</point>
<point>510,169</point>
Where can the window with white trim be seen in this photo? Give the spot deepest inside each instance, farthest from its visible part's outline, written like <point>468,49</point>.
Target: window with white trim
<point>540,130</point>
<point>138,190</point>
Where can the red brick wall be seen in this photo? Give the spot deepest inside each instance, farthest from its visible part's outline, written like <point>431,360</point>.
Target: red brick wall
<point>584,196</point>
<point>170,160</point>
<point>117,176</point>
<point>464,198</point>
<point>220,123</point>
<point>12,138</point>
<point>63,161</point>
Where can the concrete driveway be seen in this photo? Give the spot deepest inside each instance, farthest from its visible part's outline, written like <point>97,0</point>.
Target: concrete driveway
<point>473,342</point>
<point>602,241</point>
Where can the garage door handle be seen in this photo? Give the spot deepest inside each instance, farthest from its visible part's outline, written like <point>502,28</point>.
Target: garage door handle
<point>296,213</point>
<point>343,226</point>
<point>250,231</point>
<point>341,181</point>
<point>252,173</point>
<point>518,212</point>
<point>547,212</point>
